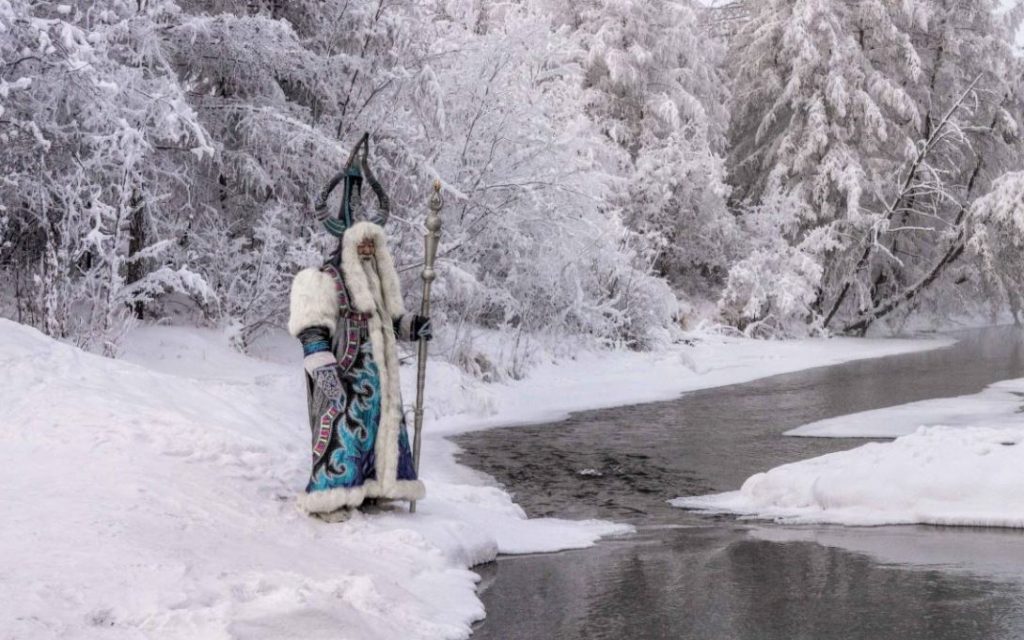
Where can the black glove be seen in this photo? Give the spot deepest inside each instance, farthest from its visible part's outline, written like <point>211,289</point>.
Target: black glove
<point>420,328</point>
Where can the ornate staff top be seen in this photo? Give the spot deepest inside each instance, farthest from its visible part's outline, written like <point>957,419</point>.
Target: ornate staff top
<point>432,237</point>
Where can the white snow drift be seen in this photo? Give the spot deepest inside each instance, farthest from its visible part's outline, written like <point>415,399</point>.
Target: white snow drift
<point>937,475</point>
<point>146,504</point>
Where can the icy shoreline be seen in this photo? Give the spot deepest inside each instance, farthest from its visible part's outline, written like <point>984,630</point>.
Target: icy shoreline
<point>154,495</point>
<point>953,476</point>
<point>955,461</point>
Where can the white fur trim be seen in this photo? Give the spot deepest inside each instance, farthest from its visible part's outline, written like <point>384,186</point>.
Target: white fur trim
<point>314,361</point>
<point>405,327</point>
<point>362,279</point>
<point>334,499</point>
<point>314,302</point>
<point>385,354</point>
<point>355,275</point>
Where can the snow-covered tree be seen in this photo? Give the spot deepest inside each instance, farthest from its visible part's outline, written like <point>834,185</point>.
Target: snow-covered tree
<point>84,118</point>
<point>995,240</point>
<point>279,87</point>
<point>528,243</point>
<point>971,98</point>
<point>186,140</point>
<point>857,142</point>
<point>656,89</point>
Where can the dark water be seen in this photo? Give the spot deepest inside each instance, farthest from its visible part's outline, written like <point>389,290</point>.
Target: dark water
<point>685,575</point>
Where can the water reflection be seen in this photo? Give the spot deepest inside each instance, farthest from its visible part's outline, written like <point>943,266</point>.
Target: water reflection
<point>712,440</point>
<point>723,584</point>
<point>716,578</point>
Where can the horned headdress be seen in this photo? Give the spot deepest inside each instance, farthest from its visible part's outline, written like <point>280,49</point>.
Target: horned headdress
<point>356,171</point>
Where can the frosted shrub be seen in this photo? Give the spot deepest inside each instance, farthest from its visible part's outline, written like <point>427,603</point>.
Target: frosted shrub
<point>772,293</point>
<point>85,116</point>
<point>657,88</point>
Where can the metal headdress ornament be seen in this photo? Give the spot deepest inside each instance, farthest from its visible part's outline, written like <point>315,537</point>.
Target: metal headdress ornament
<point>357,169</point>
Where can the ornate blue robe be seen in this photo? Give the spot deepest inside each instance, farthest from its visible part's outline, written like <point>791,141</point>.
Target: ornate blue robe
<point>360,444</point>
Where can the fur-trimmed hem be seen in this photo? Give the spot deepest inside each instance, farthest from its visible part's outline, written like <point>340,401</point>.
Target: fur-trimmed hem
<point>314,302</point>
<point>403,490</point>
<point>334,499</point>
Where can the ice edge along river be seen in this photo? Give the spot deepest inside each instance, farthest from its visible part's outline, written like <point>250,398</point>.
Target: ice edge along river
<point>955,461</point>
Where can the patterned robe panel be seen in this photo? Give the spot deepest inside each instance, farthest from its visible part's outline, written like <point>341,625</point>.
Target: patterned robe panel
<point>345,420</point>
<point>344,435</point>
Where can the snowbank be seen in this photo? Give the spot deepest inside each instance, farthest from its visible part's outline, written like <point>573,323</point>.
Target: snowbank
<point>998,405</point>
<point>158,501</point>
<point>956,461</point>
<point>616,378</point>
<point>154,496</point>
<point>937,475</point>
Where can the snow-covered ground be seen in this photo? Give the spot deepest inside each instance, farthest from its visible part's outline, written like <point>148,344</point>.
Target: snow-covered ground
<point>955,461</point>
<point>153,496</point>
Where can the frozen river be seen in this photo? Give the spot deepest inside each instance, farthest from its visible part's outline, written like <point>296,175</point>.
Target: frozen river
<point>685,575</point>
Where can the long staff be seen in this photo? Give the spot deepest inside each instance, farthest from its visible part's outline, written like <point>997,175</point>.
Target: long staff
<point>431,238</point>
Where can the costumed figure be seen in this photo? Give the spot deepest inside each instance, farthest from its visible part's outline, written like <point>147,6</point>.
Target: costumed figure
<point>349,315</point>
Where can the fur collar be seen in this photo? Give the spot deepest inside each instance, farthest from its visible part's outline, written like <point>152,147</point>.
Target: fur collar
<point>355,276</point>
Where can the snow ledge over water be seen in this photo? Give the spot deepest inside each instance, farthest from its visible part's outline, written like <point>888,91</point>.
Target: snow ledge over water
<point>965,476</point>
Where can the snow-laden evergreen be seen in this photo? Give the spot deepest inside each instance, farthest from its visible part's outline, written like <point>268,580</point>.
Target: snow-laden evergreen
<point>862,132</point>
<point>163,158</point>
<point>657,89</point>
<point>611,168</point>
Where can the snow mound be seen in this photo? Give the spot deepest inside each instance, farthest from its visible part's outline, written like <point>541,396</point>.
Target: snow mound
<point>937,475</point>
<point>154,497</point>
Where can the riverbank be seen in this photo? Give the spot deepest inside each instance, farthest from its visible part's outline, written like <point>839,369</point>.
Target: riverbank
<point>955,461</point>
<point>951,476</point>
<point>688,575</point>
<point>159,489</point>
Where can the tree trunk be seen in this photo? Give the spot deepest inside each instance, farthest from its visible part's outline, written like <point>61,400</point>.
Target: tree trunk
<point>136,241</point>
<point>902,195</point>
